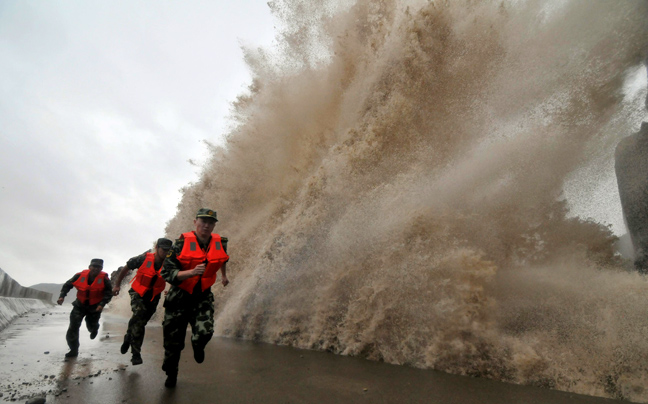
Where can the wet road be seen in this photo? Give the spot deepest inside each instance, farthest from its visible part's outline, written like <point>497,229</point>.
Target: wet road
<point>32,364</point>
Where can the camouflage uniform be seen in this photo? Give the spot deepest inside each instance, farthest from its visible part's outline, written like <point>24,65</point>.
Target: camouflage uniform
<point>183,308</point>
<point>80,310</point>
<point>143,308</point>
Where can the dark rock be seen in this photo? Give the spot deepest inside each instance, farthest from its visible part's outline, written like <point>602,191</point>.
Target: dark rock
<point>37,400</point>
<point>46,352</point>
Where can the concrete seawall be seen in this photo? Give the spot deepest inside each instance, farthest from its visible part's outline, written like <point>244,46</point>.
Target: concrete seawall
<point>16,300</point>
<point>12,307</point>
<point>11,288</point>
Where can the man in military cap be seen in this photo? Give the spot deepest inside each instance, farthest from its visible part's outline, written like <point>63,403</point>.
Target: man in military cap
<point>145,292</point>
<point>191,268</point>
<point>93,294</point>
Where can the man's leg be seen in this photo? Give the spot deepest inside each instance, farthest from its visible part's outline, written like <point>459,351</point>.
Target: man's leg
<point>92,323</point>
<point>142,313</point>
<point>72,336</point>
<point>174,328</point>
<point>131,323</point>
<point>202,327</point>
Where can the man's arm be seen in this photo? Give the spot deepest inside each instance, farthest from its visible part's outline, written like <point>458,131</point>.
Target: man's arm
<point>172,271</point>
<point>132,263</point>
<point>107,294</point>
<point>223,269</point>
<point>120,278</point>
<point>171,265</point>
<point>67,286</point>
<point>224,279</point>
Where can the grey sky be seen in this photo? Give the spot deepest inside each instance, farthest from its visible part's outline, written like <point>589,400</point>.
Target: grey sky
<point>102,104</point>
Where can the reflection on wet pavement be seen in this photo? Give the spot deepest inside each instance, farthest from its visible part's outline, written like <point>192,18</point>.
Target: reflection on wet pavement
<point>32,360</point>
<point>32,364</point>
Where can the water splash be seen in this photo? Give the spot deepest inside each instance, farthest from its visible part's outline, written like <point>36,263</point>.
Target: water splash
<point>394,188</point>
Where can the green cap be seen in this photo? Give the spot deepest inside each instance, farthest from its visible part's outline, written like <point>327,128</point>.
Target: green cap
<point>204,212</point>
<point>96,261</point>
<point>164,243</point>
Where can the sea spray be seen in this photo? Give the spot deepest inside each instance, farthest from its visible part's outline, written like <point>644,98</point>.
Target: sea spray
<point>393,188</point>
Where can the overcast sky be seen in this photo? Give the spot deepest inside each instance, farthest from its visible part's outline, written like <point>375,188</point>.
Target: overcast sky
<point>102,105</point>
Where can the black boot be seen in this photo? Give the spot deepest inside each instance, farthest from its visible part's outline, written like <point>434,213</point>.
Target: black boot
<point>137,359</point>
<point>199,348</point>
<point>170,364</point>
<point>172,378</point>
<point>125,345</point>
<point>72,354</point>
<point>199,353</point>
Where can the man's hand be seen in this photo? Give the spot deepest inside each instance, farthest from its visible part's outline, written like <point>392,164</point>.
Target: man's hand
<point>59,301</point>
<point>99,309</point>
<point>190,273</point>
<point>198,270</point>
<point>224,280</point>
<point>116,290</point>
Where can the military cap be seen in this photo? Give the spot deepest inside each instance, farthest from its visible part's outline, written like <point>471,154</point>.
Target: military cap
<point>97,262</point>
<point>204,212</point>
<point>164,243</point>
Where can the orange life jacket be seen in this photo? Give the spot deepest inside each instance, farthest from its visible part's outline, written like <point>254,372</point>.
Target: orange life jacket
<point>90,294</point>
<point>192,255</point>
<point>143,280</point>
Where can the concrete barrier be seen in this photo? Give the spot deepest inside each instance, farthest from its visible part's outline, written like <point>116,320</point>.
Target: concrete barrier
<point>13,307</point>
<point>16,300</point>
<point>11,288</point>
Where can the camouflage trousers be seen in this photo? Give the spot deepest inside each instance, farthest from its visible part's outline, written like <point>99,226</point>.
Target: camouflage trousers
<point>143,309</point>
<point>76,318</point>
<point>199,316</point>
